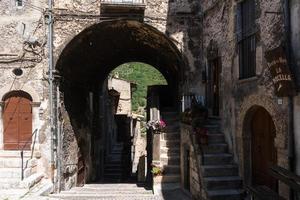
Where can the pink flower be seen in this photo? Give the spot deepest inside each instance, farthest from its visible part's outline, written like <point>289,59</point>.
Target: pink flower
<point>162,124</point>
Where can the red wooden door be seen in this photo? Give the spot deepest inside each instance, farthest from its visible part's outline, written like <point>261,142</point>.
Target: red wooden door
<point>17,120</point>
<point>263,150</point>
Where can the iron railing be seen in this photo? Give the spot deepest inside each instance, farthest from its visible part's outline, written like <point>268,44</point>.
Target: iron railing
<point>132,2</point>
<point>31,155</point>
<point>187,100</point>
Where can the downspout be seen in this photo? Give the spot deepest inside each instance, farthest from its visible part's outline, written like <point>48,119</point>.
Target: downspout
<point>291,144</point>
<point>50,79</point>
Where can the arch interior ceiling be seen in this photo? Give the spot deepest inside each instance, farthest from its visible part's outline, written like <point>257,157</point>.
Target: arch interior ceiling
<point>92,54</point>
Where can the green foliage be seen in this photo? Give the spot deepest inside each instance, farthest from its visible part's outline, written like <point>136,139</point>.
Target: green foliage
<point>156,171</point>
<point>143,75</point>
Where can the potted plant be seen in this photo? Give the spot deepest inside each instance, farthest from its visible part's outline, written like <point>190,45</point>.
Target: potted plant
<point>156,125</point>
<point>156,170</point>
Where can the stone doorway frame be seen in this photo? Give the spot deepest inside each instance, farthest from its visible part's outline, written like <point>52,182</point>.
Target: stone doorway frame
<point>243,135</point>
<point>35,107</point>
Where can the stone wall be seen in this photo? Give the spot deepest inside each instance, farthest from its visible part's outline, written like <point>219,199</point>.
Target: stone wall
<point>239,96</point>
<point>125,90</point>
<point>295,42</point>
<point>23,45</point>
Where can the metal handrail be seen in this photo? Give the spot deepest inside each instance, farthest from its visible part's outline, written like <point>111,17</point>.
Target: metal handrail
<point>22,152</point>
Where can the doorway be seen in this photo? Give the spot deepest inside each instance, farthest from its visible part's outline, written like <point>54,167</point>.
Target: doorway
<point>214,86</point>
<point>262,148</point>
<point>17,121</point>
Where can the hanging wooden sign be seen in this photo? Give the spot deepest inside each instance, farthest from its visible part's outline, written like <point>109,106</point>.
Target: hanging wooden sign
<point>280,72</point>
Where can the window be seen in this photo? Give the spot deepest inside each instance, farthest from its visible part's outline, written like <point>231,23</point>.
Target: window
<point>19,3</point>
<point>246,38</point>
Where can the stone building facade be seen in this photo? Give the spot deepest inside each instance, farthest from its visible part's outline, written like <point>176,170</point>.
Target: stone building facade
<point>165,31</point>
<point>188,41</point>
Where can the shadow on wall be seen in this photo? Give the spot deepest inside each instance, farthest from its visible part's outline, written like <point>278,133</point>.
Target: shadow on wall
<point>184,23</point>
<point>75,138</point>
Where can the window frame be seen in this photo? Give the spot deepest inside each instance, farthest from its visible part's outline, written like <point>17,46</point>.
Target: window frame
<point>19,3</point>
<point>246,39</point>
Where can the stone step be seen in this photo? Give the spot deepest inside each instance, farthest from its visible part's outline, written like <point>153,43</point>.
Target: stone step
<point>215,148</point>
<point>212,126</point>
<point>113,196</point>
<point>111,180</point>
<point>171,169</point>
<point>14,172</point>
<point>170,136</point>
<point>110,189</point>
<point>217,159</point>
<point>113,170</point>
<point>170,160</point>
<point>9,183</point>
<point>216,138</point>
<point>113,159</point>
<point>169,143</point>
<point>220,183</point>
<point>31,181</point>
<point>211,121</point>
<point>219,170</point>
<point>107,185</point>
<point>107,191</point>
<point>14,154</point>
<point>167,114</point>
<point>171,120</point>
<point>113,162</point>
<point>167,179</point>
<point>212,130</point>
<point>13,162</point>
<point>172,128</point>
<point>152,197</point>
<point>170,151</point>
<point>225,194</point>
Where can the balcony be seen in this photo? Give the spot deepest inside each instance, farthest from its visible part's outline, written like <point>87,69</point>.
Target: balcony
<point>133,9</point>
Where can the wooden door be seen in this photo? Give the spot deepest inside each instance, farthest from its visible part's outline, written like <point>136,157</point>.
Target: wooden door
<point>17,121</point>
<point>263,150</point>
<point>215,86</point>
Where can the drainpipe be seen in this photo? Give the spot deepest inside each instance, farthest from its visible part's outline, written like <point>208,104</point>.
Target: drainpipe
<point>291,144</point>
<point>50,79</point>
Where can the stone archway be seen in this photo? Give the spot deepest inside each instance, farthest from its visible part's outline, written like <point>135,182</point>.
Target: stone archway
<point>84,65</point>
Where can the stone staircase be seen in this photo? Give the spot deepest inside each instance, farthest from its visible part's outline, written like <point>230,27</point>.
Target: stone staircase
<point>107,191</point>
<point>10,170</point>
<point>220,173</point>
<point>170,152</point>
<point>113,168</point>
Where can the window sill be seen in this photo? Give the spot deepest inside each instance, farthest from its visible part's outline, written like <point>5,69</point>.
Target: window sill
<point>247,80</point>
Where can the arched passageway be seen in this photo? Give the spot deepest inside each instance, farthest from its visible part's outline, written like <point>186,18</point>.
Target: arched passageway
<point>84,65</point>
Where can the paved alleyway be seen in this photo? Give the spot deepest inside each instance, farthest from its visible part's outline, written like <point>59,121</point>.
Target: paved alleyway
<point>116,192</point>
